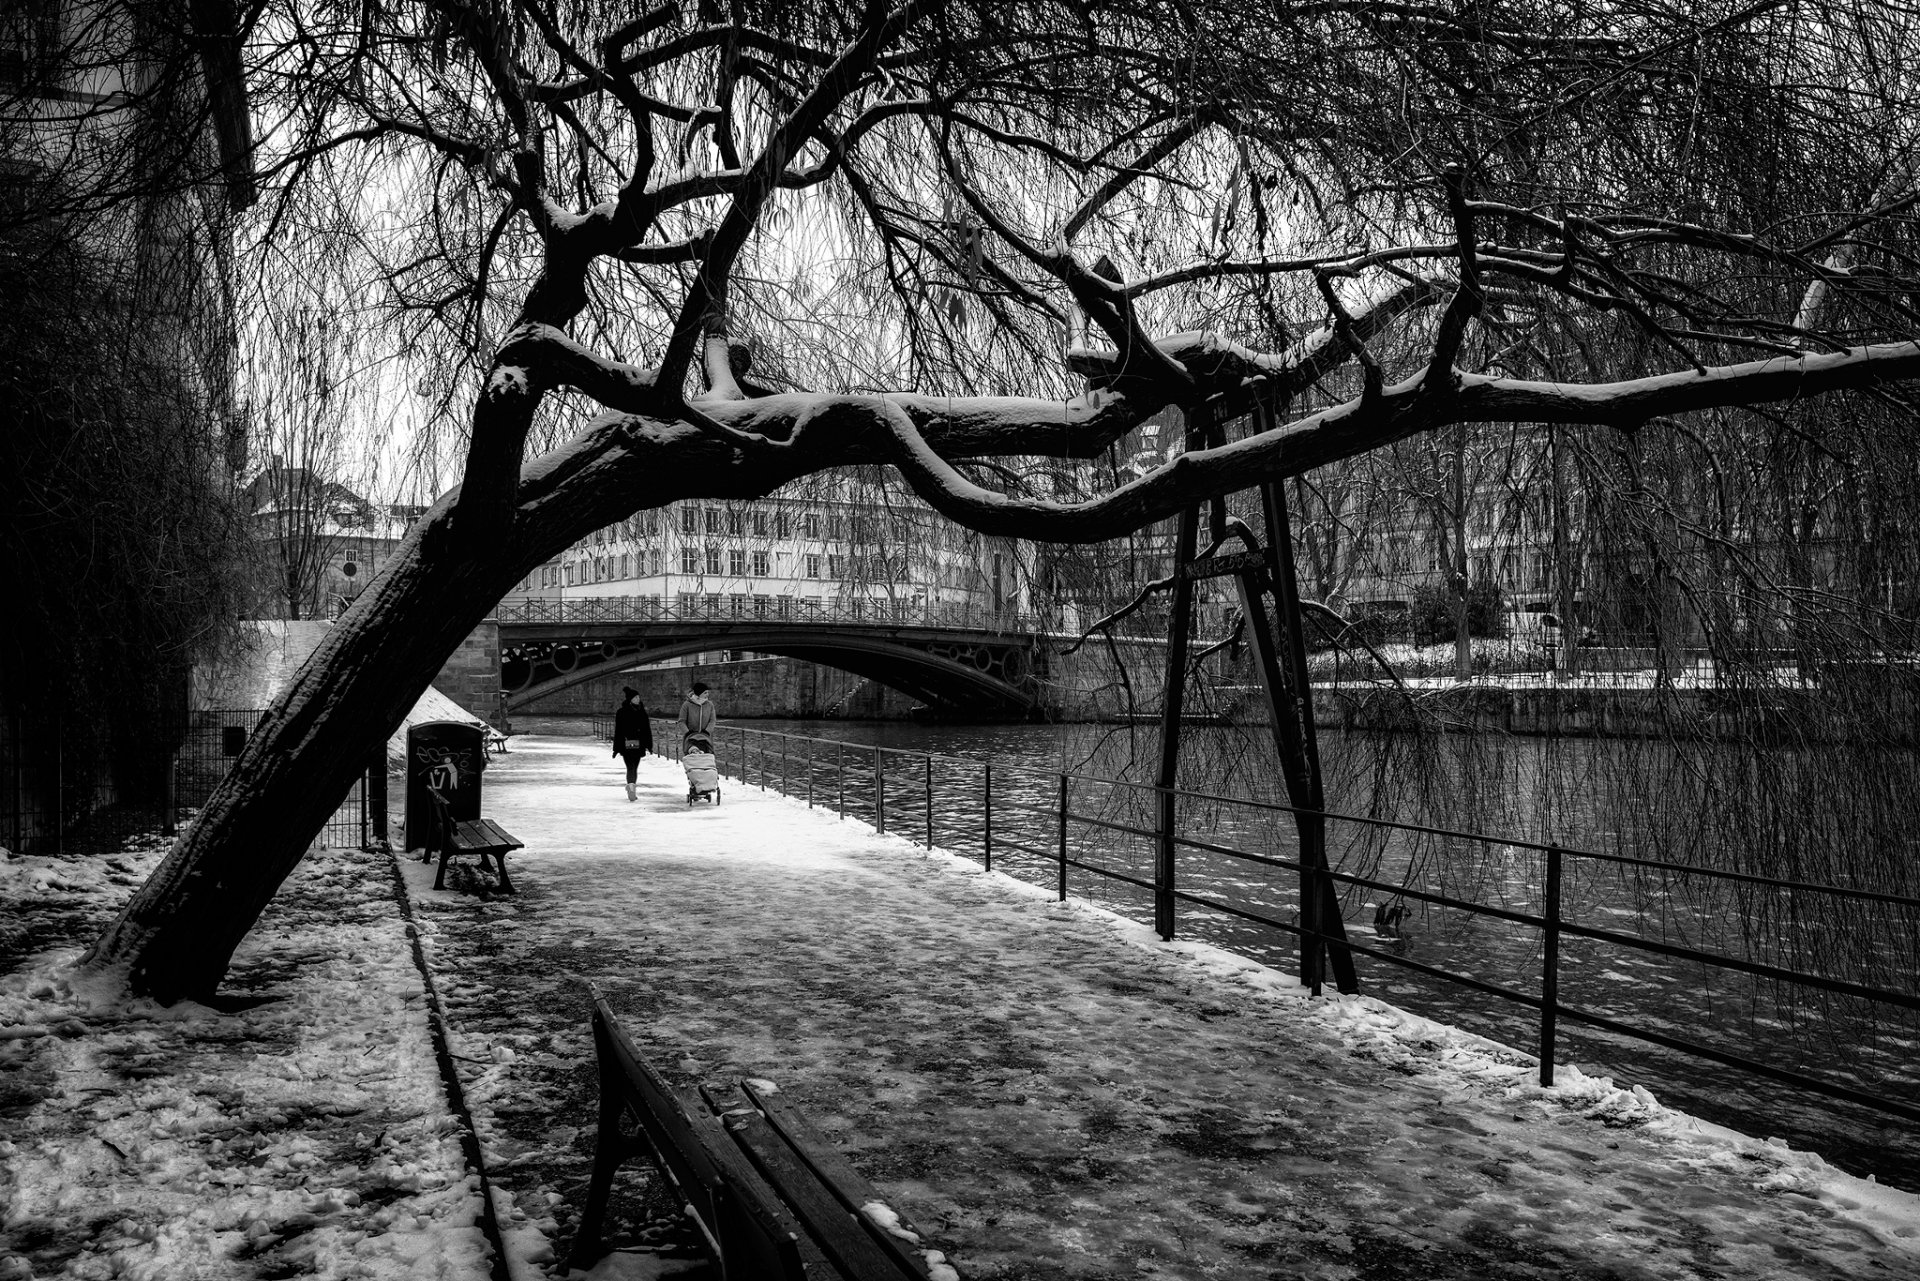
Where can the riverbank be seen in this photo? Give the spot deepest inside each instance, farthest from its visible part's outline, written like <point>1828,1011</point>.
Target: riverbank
<point>1047,1091</point>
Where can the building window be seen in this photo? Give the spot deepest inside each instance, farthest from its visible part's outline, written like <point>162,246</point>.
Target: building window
<point>812,524</point>
<point>734,519</point>
<point>759,564</point>
<point>713,560</point>
<point>689,561</point>
<point>813,566</point>
<point>833,565</point>
<point>782,525</point>
<point>569,576</point>
<point>786,607</point>
<point>834,527</point>
<point>689,521</point>
<point>736,562</point>
<point>713,604</point>
<point>713,520</point>
<point>653,560</point>
<point>737,605</point>
<point>760,524</point>
<point>762,606</point>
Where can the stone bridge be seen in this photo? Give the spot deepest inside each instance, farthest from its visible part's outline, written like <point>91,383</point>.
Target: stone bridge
<point>961,661</point>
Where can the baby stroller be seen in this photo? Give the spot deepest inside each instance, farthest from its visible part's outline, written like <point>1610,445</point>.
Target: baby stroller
<point>703,772</point>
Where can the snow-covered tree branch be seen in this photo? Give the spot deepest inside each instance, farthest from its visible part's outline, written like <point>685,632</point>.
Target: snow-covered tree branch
<point>1374,223</point>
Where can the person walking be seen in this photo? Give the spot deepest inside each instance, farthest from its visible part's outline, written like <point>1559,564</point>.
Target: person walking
<point>632,735</point>
<point>697,712</point>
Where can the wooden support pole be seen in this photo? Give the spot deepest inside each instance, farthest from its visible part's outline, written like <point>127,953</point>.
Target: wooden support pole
<point>1293,721</point>
<point>1173,697</point>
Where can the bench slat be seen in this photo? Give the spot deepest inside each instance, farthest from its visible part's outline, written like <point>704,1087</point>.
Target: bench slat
<point>839,1232</point>
<point>484,834</point>
<point>757,1237</point>
<point>833,1170</point>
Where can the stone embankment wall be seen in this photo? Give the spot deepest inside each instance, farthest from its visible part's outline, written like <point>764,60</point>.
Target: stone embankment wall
<point>770,687</point>
<point>1797,715</point>
<point>471,677</point>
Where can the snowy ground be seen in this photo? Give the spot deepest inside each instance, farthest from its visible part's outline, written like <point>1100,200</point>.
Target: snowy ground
<point>307,1136</point>
<point>1045,1091</point>
<point>1049,1092</point>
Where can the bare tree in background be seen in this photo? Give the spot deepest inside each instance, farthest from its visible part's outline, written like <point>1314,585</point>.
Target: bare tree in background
<point>584,210</point>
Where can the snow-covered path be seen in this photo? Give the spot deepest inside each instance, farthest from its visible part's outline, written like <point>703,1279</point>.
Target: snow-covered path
<point>1049,1092</point>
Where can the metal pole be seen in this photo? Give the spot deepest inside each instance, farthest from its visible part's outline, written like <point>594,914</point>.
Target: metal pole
<point>377,797</point>
<point>1063,838</point>
<point>170,812</point>
<point>840,770</point>
<point>809,773</point>
<point>987,809</point>
<point>1172,697</point>
<point>1550,967</point>
<point>879,794</point>
<point>929,800</point>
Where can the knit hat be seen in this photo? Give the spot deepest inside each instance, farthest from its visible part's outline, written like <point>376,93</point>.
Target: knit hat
<point>629,691</point>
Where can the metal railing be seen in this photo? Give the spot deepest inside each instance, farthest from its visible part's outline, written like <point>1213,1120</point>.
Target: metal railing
<point>1074,823</point>
<point>737,608</point>
<point>214,738</point>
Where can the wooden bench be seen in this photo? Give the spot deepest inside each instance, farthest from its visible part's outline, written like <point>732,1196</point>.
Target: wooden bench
<point>496,743</point>
<point>481,837</point>
<point>772,1199</point>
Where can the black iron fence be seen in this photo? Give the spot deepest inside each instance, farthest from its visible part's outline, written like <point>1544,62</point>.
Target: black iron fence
<point>215,737</point>
<point>1096,837</point>
<point>48,783</point>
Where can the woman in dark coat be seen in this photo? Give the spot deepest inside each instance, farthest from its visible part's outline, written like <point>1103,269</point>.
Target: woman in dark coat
<point>632,734</point>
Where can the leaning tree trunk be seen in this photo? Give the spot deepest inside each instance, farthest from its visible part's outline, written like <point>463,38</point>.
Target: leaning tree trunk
<point>176,937</point>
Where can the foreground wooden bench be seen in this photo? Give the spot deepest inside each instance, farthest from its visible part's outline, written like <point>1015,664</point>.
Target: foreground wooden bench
<point>481,837</point>
<point>771,1197</point>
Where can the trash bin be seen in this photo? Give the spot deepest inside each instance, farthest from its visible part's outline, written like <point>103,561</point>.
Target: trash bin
<point>446,756</point>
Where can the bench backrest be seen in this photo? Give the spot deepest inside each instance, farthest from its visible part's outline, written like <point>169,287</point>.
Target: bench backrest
<point>749,1230</point>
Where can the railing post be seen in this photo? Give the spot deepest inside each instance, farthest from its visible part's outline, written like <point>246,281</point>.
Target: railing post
<point>879,793</point>
<point>1063,838</point>
<point>929,800</point>
<point>1550,967</point>
<point>986,808</point>
<point>840,772</point>
<point>809,773</point>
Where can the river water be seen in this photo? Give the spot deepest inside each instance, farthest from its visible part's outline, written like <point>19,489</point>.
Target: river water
<point>1817,815</point>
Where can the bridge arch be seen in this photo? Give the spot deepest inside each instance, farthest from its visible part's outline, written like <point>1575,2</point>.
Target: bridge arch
<point>958,678</point>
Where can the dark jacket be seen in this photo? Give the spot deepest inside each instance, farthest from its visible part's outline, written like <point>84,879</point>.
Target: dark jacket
<point>630,725</point>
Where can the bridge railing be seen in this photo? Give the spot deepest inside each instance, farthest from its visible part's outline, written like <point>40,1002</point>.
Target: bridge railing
<point>1062,828</point>
<point>740,608</point>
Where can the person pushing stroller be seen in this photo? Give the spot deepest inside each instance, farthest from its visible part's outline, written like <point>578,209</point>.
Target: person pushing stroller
<point>696,746</point>
<point>697,714</point>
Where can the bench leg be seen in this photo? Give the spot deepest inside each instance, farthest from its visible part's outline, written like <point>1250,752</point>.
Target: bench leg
<point>440,878</point>
<point>500,863</point>
<point>611,1150</point>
